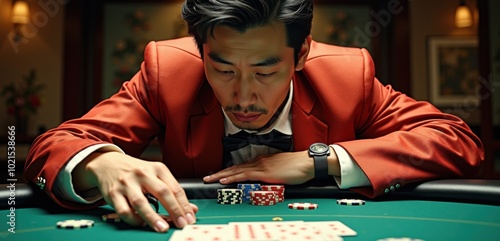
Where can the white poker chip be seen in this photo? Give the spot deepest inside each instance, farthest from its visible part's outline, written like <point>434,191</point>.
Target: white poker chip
<point>75,223</point>
<point>351,202</point>
<point>303,206</point>
<point>400,239</point>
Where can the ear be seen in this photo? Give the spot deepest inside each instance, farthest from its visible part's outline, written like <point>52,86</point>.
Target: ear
<point>304,52</point>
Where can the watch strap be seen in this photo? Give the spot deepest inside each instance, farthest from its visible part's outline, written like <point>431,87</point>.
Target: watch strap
<point>320,167</point>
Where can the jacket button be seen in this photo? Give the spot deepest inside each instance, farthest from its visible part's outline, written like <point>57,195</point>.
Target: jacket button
<point>398,185</point>
<point>40,182</point>
<point>386,190</point>
<point>392,188</point>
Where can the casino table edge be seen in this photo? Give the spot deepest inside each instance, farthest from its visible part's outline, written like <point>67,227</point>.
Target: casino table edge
<point>455,190</point>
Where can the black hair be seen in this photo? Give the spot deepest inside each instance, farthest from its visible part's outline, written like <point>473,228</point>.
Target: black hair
<point>202,16</point>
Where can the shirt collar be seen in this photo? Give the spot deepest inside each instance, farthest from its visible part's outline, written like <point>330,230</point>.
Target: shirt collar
<point>282,123</point>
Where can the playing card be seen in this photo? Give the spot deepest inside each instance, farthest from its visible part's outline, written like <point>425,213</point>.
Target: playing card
<point>265,231</point>
<point>338,227</point>
<point>179,235</point>
<point>281,231</point>
<point>303,231</point>
<point>203,232</point>
<point>251,231</point>
<point>206,229</point>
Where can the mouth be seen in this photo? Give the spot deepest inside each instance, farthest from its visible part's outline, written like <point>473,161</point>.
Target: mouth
<point>246,117</point>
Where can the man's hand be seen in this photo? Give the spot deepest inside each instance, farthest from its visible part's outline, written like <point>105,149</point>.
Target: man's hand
<point>282,168</point>
<point>123,180</point>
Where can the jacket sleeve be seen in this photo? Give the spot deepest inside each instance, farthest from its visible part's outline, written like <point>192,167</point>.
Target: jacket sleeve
<point>401,140</point>
<point>128,119</point>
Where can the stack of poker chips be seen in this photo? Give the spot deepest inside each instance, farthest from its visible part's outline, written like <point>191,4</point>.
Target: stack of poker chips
<point>279,189</point>
<point>263,198</point>
<point>229,196</point>
<point>247,188</point>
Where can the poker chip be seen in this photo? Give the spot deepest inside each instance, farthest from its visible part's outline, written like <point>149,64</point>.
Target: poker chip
<point>277,219</point>
<point>111,218</point>
<point>303,206</point>
<point>351,202</point>
<point>247,188</point>
<point>229,196</point>
<point>75,223</point>
<point>279,189</point>
<point>400,239</point>
<point>263,198</point>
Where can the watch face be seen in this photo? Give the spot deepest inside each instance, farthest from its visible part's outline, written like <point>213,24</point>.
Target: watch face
<point>319,148</point>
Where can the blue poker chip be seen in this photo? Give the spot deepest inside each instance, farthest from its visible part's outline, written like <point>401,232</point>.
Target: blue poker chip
<point>247,188</point>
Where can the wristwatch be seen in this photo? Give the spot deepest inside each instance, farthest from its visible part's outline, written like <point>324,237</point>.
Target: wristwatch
<point>319,152</point>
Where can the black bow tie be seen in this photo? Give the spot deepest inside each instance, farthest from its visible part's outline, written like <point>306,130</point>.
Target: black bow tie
<point>274,139</point>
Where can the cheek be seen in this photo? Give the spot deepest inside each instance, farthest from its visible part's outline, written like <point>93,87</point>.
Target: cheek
<point>281,94</point>
<point>220,91</point>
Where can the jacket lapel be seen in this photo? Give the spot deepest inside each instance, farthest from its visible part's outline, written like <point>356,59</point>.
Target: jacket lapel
<point>206,132</point>
<point>306,127</point>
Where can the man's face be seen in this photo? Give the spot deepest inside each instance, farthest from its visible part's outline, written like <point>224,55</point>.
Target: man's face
<point>249,72</point>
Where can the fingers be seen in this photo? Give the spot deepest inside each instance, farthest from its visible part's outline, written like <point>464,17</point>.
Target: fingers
<point>194,207</point>
<point>219,176</point>
<point>173,198</point>
<point>148,214</point>
<point>136,209</point>
<point>138,212</point>
<point>239,177</point>
<point>125,191</point>
<point>122,208</point>
<point>236,173</point>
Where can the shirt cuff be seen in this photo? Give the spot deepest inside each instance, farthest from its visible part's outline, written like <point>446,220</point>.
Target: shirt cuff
<point>63,187</point>
<point>351,174</point>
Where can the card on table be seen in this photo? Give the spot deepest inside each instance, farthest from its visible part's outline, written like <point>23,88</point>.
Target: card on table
<point>205,232</point>
<point>253,231</point>
<point>265,231</point>
<point>340,228</point>
<point>206,228</point>
<point>180,235</point>
<point>282,231</point>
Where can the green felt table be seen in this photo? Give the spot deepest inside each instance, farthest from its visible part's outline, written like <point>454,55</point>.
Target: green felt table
<point>378,219</point>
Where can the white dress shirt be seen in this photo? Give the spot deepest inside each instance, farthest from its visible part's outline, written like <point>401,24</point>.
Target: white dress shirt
<point>351,173</point>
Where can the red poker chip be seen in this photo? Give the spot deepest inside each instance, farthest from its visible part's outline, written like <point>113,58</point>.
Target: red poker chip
<point>262,193</point>
<point>303,206</point>
<point>273,187</point>
<point>263,199</point>
<point>269,195</point>
<point>264,196</point>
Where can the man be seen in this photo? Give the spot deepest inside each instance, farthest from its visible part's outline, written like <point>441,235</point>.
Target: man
<point>254,69</point>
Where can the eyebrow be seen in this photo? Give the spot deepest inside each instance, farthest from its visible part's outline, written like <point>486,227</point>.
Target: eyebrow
<point>266,62</point>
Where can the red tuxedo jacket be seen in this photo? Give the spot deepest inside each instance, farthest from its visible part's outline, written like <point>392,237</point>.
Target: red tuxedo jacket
<point>336,99</point>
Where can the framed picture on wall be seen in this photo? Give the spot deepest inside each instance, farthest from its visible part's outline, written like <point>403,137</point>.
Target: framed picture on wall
<point>343,25</point>
<point>453,70</point>
<point>127,29</point>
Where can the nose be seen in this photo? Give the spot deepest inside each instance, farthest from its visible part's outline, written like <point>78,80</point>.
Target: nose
<point>244,92</point>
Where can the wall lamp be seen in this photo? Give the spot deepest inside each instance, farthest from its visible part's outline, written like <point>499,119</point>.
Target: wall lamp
<point>463,16</point>
<point>20,17</point>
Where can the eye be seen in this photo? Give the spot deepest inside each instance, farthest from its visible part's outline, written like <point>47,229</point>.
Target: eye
<point>224,72</point>
<point>265,75</point>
